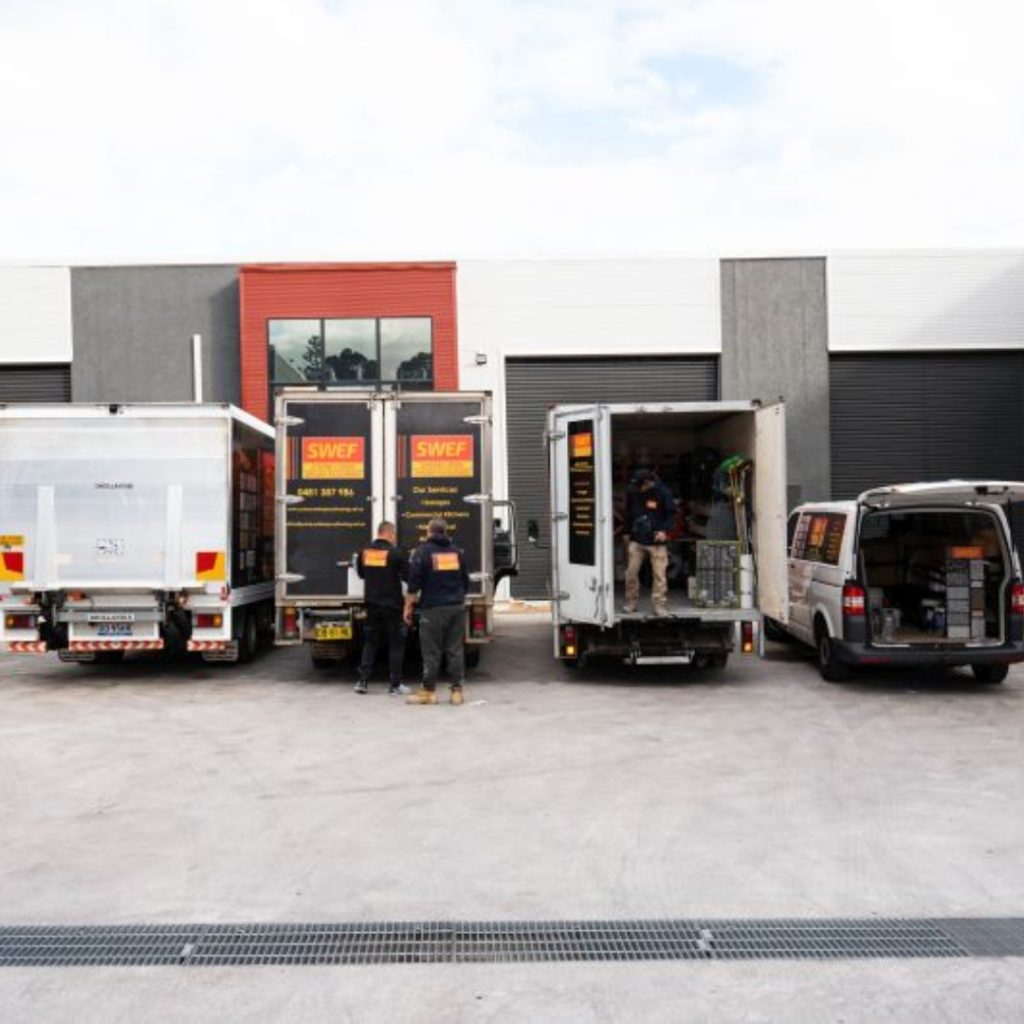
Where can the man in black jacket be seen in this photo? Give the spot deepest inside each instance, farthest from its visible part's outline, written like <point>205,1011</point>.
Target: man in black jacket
<point>383,567</point>
<point>438,582</point>
<point>650,514</point>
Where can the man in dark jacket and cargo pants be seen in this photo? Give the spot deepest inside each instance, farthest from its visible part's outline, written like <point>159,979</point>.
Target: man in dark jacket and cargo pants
<point>382,567</point>
<point>438,582</point>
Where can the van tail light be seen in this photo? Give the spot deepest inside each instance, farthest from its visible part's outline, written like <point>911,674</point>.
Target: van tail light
<point>747,637</point>
<point>478,620</point>
<point>569,641</point>
<point>291,622</point>
<point>853,600</point>
<point>204,621</point>
<point>20,621</point>
<point>1017,598</point>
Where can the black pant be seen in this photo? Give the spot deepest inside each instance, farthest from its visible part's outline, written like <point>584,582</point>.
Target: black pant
<point>442,632</point>
<point>383,625</point>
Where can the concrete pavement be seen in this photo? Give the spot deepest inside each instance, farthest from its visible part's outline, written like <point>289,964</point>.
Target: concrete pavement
<point>156,791</point>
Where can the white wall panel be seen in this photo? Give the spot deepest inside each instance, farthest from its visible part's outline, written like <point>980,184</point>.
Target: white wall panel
<point>889,302</point>
<point>35,315</point>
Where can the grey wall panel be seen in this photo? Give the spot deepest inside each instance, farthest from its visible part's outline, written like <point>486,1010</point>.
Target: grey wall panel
<point>533,385</point>
<point>133,327</point>
<point>775,344</point>
<point>909,417</point>
<point>47,383</point>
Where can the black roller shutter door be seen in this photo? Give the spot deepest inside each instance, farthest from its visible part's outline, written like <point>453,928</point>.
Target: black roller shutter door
<point>903,418</point>
<point>533,385</point>
<point>35,383</point>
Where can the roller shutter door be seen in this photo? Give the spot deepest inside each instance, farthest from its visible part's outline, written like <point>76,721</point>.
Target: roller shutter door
<point>35,383</point>
<point>532,385</point>
<point>901,418</point>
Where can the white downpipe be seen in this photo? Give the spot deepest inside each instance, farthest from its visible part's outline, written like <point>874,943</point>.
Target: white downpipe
<point>197,367</point>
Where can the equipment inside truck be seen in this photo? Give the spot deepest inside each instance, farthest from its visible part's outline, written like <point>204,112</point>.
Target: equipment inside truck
<point>935,576</point>
<point>704,460</point>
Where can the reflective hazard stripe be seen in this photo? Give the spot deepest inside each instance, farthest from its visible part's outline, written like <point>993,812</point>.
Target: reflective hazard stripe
<point>27,646</point>
<point>116,645</point>
<point>206,645</point>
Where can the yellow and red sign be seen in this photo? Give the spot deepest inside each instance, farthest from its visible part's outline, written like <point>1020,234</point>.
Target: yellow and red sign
<point>211,566</point>
<point>446,561</point>
<point>12,558</point>
<point>444,455</point>
<point>581,446</point>
<point>376,558</point>
<point>333,458</point>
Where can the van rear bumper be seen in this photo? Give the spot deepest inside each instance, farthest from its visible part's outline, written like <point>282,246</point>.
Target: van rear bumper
<point>863,654</point>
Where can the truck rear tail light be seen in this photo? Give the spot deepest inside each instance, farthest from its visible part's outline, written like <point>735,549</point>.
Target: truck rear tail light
<point>853,600</point>
<point>20,621</point>
<point>214,621</point>
<point>291,622</point>
<point>569,641</point>
<point>1017,598</point>
<point>747,635</point>
<point>478,621</point>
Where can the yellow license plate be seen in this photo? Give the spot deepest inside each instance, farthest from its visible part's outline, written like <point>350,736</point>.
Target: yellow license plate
<point>333,632</point>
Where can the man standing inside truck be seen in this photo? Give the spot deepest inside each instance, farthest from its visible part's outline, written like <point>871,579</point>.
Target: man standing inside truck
<point>650,514</point>
<point>438,582</point>
<point>382,567</point>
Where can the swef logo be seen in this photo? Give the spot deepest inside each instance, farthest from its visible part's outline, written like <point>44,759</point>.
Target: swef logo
<point>442,455</point>
<point>333,458</point>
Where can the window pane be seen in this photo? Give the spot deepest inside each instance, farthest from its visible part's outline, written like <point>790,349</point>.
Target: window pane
<point>405,346</point>
<point>351,350</point>
<point>296,351</point>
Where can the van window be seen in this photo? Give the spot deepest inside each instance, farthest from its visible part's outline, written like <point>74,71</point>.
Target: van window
<point>823,537</point>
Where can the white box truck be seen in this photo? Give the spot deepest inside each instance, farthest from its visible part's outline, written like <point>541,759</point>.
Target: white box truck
<point>350,458</point>
<point>595,450</point>
<point>135,527</point>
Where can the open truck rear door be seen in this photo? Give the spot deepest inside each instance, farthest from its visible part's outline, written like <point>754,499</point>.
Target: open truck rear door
<point>770,511</point>
<point>579,438</point>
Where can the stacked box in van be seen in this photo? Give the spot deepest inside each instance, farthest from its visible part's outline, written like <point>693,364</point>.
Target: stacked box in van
<point>965,597</point>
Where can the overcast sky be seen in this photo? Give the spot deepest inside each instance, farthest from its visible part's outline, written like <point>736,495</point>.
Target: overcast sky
<point>327,129</point>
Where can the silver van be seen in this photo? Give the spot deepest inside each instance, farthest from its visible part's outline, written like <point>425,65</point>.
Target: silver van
<point>913,574</point>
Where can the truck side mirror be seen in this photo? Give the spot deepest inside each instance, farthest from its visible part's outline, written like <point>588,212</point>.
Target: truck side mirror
<point>532,532</point>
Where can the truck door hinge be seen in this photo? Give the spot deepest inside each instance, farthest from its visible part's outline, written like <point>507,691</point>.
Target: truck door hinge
<point>554,435</point>
<point>289,421</point>
<point>289,577</point>
<point>562,595</point>
<point>476,419</point>
<point>290,499</point>
<point>476,499</point>
<point>559,516</point>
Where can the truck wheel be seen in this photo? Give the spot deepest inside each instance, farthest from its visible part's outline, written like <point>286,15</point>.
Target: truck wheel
<point>471,655</point>
<point>831,668</point>
<point>990,674</point>
<point>249,641</point>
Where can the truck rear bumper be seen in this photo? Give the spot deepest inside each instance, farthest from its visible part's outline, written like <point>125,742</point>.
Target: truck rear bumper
<point>865,654</point>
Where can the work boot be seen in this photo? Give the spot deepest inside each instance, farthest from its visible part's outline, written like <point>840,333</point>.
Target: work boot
<point>362,686</point>
<point>422,696</point>
<point>628,609</point>
<point>457,696</point>
<point>398,690</point>
<point>660,611</point>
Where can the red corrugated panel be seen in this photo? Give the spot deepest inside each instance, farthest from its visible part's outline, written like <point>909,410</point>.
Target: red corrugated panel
<point>270,291</point>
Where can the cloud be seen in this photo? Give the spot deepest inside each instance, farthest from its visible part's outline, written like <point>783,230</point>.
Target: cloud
<point>232,130</point>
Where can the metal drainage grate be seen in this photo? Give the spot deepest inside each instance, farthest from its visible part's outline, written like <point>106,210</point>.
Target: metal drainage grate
<point>507,941</point>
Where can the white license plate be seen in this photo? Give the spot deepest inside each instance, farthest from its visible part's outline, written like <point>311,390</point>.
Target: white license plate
<point>114,631</point>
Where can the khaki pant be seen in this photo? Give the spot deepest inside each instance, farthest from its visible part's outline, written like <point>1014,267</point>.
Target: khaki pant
<point>659,569</point>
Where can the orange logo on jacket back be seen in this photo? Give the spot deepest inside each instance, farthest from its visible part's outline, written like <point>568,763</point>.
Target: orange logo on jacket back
<point>377,558</point>
<point>446,561</point>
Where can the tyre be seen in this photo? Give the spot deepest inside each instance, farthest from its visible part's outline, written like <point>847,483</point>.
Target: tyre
<point>831,668</point>
<point>990,674</point>
<point>471,655</point>
<point>249,641</point>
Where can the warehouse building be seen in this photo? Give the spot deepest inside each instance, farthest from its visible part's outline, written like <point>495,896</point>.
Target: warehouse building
<point>894,366</point>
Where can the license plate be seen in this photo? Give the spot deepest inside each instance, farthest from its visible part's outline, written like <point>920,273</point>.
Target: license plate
<point>106,618</point>
<point>334,631</point>
<point>115,629</point>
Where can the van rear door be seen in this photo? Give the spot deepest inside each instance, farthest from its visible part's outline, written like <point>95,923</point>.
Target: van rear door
<point>581,530</point>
